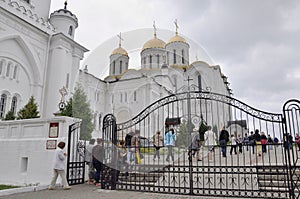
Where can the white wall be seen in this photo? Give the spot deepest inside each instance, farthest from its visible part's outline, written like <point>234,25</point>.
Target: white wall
<point>23,154</point>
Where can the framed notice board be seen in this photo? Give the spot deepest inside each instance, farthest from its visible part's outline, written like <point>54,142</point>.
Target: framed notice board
<point>53,130</point>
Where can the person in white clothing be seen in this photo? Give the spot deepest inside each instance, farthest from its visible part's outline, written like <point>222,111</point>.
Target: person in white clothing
<point>59,167</point>
<point>210,141</point>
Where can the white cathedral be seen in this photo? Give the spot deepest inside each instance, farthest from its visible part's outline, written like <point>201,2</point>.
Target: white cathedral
<point>39,56</point>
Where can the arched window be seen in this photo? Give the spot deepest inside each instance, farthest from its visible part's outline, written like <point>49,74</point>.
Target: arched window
<point>15,72</point>
<point>2,105</point>
<point>182,56</point>
<point>114,67</point>
<point>112,98</point>
<point>125,97</point>
<point>134,96</point>
<point>100,118</point>
<point>145,60</point>
<point>14,102</point>
<point>175,81</point>
<point>1,66</point>
<point>121,63</point>
<point>199,82</point>
<point>70,30</point>
<point>8,69</point>
<point>174,56</point>
<point>67,80</point>
<point>157,57</point>
<point>150,61</point>
<point>121,97</point>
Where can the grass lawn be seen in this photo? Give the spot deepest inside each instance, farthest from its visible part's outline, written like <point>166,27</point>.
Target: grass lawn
<point>3,186</point>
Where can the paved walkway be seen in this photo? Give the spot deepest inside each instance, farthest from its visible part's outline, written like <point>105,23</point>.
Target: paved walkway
<point>92,192</point>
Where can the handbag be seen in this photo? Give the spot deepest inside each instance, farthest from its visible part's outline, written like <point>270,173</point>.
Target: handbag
<point>264,141</point>
<point>138,157</point>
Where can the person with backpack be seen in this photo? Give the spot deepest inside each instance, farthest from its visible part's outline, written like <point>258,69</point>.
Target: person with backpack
<point>223,139</point>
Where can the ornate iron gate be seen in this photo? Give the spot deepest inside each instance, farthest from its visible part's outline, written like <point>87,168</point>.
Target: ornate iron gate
<point>249,170</point>
<point>75,160</point>
<point>291,111</point>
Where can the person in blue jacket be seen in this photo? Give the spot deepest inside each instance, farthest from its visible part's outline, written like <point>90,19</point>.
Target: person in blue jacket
<point>170,139</point>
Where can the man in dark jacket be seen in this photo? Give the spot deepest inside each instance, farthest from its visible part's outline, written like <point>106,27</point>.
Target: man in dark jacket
<point>98,157</point>
<point>223,139</point>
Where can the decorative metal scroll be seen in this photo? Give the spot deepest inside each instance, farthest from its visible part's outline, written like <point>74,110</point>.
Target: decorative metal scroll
<point>272,117</point>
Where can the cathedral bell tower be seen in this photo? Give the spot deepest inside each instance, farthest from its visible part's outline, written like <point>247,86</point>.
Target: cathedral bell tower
<point>64,21</point>
<point>118,60</point>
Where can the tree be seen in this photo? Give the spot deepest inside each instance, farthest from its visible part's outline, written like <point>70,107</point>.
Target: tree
<point>78,106</point>
<point>10,115</point>
<point>30,110</point>
<point>183,135</point>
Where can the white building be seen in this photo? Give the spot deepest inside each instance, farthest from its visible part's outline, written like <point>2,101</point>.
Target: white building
<point>38,56</point>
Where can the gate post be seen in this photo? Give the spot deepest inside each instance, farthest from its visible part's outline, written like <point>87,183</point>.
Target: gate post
<point>291,112</point>
<point>109,134</point>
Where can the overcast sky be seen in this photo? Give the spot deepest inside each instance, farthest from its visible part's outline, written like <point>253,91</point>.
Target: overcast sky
<point>256,43</point>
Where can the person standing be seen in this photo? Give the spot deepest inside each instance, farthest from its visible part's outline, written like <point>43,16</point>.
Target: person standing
<point>89,161</point>
<point>158,143</point>
<point>257,142</point>
<point>233,144</point>
<point>270,142</point>
<point>239,142</point>
<point>264,141</point>
<point>128,138</point>
<point>210,142</point>
<point>98,157</point>
<point>135,147</point>
<point>195,145</point>
<point>59,167</point>
<point>246,141</point>
<point>223,139</point>
<point>170,139</point>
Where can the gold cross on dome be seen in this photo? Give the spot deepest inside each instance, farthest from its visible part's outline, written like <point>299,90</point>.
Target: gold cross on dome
<point>120,39</point>
<point>154,26</point>
<point>176,25</point>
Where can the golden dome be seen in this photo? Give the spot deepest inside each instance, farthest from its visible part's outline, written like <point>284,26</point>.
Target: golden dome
<point>177,38</point>
<point>154,43</point>
<point>119,51</point>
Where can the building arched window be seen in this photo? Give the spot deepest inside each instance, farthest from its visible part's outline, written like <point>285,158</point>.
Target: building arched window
<point>182,56</point>
<point>199,82</point>
<point>134,96</point>
<point>2,105</point>
<point>15,72</point>
<point>144,60</point>
<point>174,56</point>
<point>1,66</point>
<point>99,120</point>
<point>114,67</point>
<point>150,61</point>
<point>67,80</point>
<point>125,97</point>
<point>157,57</point>
<point>121,97</point>
<point>175,81</point>
<point>8,69</point>
<point>70,30</point>
<point>121,64</point>
<point>14,102</point>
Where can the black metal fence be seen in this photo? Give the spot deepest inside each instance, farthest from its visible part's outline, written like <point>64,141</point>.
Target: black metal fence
<point>250,169</point>
<point>75,160</point>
